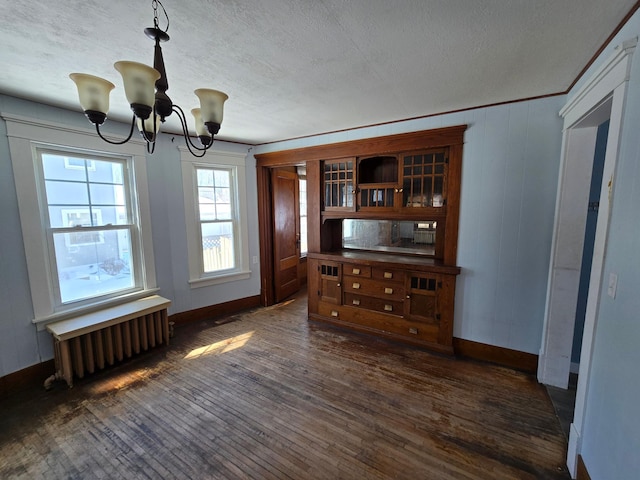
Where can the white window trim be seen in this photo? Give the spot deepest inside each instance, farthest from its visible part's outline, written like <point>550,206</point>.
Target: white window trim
<point>27,134</point>
<point>211,160</point>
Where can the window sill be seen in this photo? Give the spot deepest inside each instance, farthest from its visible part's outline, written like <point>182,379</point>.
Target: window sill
<point>218,279</point>
<point>42,322</point>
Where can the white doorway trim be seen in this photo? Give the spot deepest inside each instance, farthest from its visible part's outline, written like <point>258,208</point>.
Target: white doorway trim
<point>602,97</point>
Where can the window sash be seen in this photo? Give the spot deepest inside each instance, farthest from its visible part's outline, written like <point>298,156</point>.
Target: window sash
<point>217,260</point>
<point>92,290</point>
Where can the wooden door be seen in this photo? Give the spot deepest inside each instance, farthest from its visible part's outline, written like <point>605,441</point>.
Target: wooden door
<point>286,233</point>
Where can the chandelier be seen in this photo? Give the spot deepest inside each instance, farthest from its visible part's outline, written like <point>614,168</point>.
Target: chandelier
<point>145,89</point>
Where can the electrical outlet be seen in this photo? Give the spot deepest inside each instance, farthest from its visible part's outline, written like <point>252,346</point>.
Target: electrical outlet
<point>613,284</point>
<point>255,259</point>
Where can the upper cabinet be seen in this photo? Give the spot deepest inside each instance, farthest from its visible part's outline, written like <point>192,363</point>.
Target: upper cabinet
<point>404,182</point>
<point>412,178</point>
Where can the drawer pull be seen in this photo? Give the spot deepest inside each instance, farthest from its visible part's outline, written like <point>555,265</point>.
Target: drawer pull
<point>388,291</point>
<point>388,275</point>
<point>356,285</point>
<point>355,301</point>
<point>388,308</point>
<point>356,271</point>
<point>334,313</point>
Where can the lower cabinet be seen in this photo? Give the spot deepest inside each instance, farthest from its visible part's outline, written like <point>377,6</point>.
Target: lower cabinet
<point>404,298</point>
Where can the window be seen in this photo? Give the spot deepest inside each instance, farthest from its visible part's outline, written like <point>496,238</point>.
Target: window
<point>89,226</point>
<point>214,193</point>
<point>217,224</point>
<point>303,215</point>
<point>85,218</point>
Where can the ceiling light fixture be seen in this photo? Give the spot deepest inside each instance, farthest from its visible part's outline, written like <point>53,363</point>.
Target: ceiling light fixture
<point>150,103</point>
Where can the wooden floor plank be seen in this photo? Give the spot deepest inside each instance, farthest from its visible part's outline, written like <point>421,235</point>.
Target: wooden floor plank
<point>269,395</point>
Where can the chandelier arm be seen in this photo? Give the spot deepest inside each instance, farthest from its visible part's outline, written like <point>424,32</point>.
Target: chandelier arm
<point>190,145</point>
<point>133,123</point>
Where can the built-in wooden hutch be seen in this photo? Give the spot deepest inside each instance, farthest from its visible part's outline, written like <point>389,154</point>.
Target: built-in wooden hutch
<point>383,233</point>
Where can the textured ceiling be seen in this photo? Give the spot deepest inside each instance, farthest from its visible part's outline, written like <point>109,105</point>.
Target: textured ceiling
<point>301,67</point>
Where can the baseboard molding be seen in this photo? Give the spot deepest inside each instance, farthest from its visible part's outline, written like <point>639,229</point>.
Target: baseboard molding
<point>33,375</point>
<point>214,311</point>
<point>582,473</point>
<point>526,362</point>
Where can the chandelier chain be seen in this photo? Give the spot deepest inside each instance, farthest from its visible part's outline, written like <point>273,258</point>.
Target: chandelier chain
<point>156,23</point>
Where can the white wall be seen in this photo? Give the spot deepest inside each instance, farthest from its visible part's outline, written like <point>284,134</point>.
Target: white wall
<point>20,344</point>
<point>611,433</point>
<point>509,178</point>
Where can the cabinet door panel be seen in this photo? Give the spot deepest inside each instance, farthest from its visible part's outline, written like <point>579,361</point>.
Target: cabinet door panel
<point>339,184</point>
<point>330,282</point>
<point>422,297</point>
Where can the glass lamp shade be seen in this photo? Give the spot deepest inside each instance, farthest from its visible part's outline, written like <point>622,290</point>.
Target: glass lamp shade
<point>211,104</point>
<point>148,124</point>
<point>93,92</point>
<point>139,82</point>
<point>201,129</point>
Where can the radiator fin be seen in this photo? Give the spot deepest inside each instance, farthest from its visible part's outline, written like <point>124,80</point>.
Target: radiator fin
<point>102,348</point>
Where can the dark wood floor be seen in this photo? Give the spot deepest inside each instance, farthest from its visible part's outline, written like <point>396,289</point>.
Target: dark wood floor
<point>270,396</point>
<point>564,402</point>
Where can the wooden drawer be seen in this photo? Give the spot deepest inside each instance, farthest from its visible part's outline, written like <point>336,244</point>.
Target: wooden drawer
<point>409,329</point>
<point>392,307</point>
<point>375,288</point>
<point>330,311</point>
<point>362,271</point>
<point>388,275</point>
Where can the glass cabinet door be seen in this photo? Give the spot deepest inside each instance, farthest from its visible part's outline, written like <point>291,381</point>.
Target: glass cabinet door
<point>339,179</point>
<point>424,179</point>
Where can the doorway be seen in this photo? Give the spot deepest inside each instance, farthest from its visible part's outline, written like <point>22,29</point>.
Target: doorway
<point>601,98</point>
<point>589,243</point>
<point>282,228</point>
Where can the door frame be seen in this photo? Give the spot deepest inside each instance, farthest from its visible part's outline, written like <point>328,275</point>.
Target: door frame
<point>602,96</point>
<point>264,165</point>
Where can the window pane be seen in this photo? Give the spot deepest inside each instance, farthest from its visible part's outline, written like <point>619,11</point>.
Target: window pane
<point>205,177</point>
<point>217,246</point>
<point>107,194</point>
<point>80,217</point>
<point>303,236</point>
<point>222,178</point>
<point>302,200</point>
<point>112,215</point>
<point>66,193</point>
<point>205,195</point>
<point>93,263</point>
<point>58,167</point>
<point>106,172</point>
<point>223,211</point>
<point>222,195</point>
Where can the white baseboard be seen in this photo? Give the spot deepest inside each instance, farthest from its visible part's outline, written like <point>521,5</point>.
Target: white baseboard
<point>573,451</point>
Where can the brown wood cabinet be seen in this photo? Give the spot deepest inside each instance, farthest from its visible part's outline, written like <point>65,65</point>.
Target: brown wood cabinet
<point>403,298</point>
<point>409,180</point>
